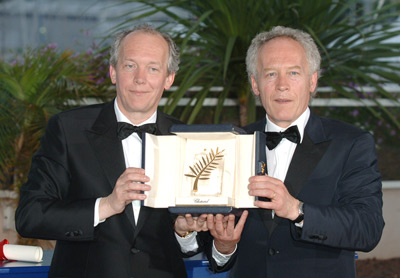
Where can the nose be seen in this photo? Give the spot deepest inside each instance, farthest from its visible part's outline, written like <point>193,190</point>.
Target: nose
<point>139,76</point>
<point>282,82</point>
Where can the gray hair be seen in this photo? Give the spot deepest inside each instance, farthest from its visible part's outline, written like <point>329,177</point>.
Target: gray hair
<point>173,57</point>
<point>312,53</point>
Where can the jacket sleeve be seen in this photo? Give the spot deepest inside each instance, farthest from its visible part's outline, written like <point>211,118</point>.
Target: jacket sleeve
<point>354,219</point>
<point>205,240</point>
<point>46,208</point>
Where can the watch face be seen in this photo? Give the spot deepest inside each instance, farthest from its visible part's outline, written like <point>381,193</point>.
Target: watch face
<point>301,213</point>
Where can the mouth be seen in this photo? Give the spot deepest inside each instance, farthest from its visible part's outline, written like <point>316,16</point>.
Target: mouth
<point>283,101</point>
<point>135,92</point>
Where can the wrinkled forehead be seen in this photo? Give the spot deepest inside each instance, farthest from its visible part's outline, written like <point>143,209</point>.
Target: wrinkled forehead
<point>143,44</point>
<point>282,52</point>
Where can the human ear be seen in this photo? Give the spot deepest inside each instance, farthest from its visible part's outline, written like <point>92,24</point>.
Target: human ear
<point>169,81</point>
<point>254,86</point>
<point>113,74</point>
<point>313,81</point>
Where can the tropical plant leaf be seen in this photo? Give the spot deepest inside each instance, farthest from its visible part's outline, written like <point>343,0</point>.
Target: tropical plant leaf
<point>40,83</point>
<point>356,46</point>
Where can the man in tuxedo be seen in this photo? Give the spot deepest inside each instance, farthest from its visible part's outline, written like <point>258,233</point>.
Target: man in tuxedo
<point>84,187</point>
<point>322,192</point>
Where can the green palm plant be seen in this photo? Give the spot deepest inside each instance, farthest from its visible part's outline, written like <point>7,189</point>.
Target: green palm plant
<point>34,87</point>
<point>214,36</point>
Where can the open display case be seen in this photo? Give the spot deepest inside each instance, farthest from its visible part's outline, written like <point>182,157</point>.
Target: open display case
<point>202,168</point>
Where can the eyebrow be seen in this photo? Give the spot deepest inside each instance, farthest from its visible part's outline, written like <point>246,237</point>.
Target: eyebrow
<point>274,68</point>
<point>295,67</point>
<point>150,63</point>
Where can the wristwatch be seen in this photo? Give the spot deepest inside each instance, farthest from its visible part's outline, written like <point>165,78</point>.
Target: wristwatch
<point>301,213</point>
<point>186,235</point>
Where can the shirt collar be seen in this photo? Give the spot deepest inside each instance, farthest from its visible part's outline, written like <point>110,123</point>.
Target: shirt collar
<point>122,118</point>
<point>300,122</point>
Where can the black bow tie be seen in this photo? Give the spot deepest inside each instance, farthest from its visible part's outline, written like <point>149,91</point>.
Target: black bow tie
<point>273,138</point>
<point>125,130</point>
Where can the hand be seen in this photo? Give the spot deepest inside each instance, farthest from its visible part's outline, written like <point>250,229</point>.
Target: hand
<point>127,189</point>
<point>284,204</point>
<point>226,234</point>
<point>188,223</point>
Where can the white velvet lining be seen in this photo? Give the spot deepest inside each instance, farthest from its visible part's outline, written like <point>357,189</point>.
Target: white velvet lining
<point>167,160</point>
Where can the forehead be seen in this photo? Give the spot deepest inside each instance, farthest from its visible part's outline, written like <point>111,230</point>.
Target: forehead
<point>282,50</point>
<point>144,45</point>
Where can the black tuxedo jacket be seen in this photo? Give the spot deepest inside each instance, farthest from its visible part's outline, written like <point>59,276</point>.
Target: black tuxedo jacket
<point>79,160</point>
<point>334,172</point>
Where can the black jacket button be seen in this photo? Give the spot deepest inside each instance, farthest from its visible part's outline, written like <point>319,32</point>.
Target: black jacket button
<point>271,251</point>
<point>78,233</point>
<point>320,237</point>
<point>135,251</point>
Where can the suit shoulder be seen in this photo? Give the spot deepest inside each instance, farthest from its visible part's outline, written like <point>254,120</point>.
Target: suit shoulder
<point>259,125</point>
<point>82,111</point>
<point>336,128</point>
<point>80,116</point>
<point>168,117</point>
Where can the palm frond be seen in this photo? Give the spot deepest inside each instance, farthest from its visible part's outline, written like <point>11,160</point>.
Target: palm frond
<point>201,170</point>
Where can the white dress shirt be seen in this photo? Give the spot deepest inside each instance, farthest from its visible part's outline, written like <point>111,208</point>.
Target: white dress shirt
<point>130,145</point>
<point>282,154</point>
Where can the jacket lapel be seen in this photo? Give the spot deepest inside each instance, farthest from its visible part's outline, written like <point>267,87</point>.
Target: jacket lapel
<point>103,138</point>
<point>311,150</point>
<point>108,148</point>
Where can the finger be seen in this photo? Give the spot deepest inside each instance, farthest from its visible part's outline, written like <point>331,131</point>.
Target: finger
<point>134,195</point>
<point>230,227</point>
<point>219,226</point>
<point>258,185</point>
<point>137,178</point>
<point>210,222</point>
<point>180,223</point>
<point>226,218</point>
<point>134,170</point>
<point>134,186</point>
<point>260,192</point>
<point>201,221</point>
<point>190,220</point>
<point>240,224</point>
<point>260,178</point>
<point>265,205</point>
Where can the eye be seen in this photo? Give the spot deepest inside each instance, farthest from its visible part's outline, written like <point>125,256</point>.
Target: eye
<point>153,69</point>
<point>294,73</point>
<point>271,74</point>
<point>129,67</point>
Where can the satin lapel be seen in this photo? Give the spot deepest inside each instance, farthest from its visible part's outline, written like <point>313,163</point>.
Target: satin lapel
<point>305,159</point>
<point>307,155</point>
<point>108,148</point>
<point>299,171</point>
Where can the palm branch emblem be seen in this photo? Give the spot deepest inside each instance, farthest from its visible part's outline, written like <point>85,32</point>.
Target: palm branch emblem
<point>203,168</point>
